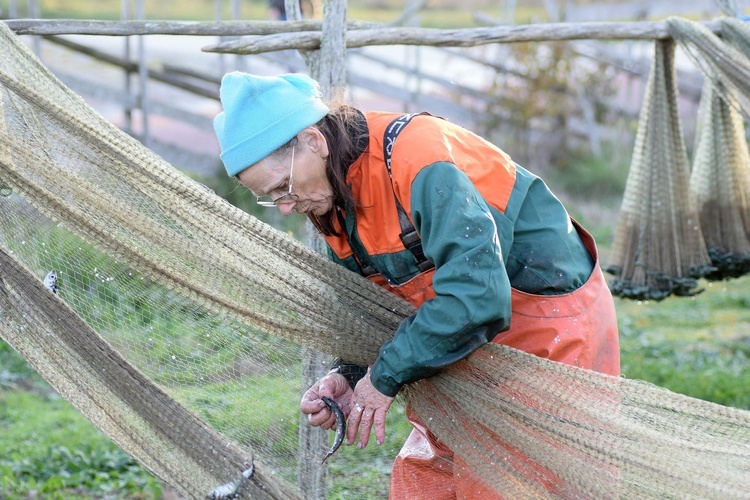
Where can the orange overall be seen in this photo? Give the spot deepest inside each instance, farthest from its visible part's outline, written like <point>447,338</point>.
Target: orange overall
<point>430,158</point>
<point>579,328</point>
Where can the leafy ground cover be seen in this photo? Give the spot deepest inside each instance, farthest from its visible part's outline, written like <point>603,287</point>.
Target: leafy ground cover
<point>49,450</point>
<point>697,346</point>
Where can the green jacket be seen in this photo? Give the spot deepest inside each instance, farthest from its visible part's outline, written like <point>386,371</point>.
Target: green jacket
<point>486,223</point>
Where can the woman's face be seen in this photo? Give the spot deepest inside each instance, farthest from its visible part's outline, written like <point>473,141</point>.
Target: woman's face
<point>312,192</point>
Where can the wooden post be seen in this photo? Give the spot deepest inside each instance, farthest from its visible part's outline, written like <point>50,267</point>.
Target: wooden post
<point>413,79</point>
<point>143,77</point>
<point>128,110</point>
<point>239,61</point>
<point>328,67</point>
<point>34,12</point>
<point>313,441</point>
<point>218,4</point>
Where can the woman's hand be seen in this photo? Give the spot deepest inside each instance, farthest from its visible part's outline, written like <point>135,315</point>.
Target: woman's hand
<point>334,386</point>
<point>368,406</point>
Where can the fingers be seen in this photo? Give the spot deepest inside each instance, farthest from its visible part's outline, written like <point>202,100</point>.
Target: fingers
<point>362,420</point>
<point>379,421</point>
<point>355,417</point>
<point>325,419</point>
<point>369,408</point>
<point>311,402</point>
<point>318,413</point>
<point>365,426</point>
<point>333,386</point>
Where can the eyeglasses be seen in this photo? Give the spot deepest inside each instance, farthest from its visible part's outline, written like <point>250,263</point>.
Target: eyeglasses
<point>266,201</point>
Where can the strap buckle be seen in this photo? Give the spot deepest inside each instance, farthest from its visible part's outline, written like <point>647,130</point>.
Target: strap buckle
<point>413,243</point>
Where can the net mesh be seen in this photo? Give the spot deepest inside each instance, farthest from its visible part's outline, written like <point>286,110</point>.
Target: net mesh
<point>676,227</point>
<point>724,59</point>
<point>190,320</point>
<point>720,183</point>
<point>659,248</point>
<point>143,419</point>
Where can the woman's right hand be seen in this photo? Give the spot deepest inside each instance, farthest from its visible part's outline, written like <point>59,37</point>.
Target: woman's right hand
<point>333,386</point>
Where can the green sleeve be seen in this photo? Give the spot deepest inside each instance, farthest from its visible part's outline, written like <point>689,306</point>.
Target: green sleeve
<point>472,302</point>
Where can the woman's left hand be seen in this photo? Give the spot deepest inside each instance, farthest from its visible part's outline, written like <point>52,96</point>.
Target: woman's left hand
<point>368,407</point>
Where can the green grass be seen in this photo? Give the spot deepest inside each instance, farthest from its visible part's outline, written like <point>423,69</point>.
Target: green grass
<point>49,449</point>
<point>696,346</point>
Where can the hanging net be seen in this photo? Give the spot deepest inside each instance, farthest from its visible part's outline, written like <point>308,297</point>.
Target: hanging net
<point>181,327</point>
<point>720,183</point>
<point>658,248</point>
<point>724,60</point>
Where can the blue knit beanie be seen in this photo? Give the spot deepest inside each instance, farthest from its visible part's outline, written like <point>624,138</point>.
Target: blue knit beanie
<point>262,113</point>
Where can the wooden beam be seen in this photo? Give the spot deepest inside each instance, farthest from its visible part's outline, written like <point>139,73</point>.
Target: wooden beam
<point>362,33</point>
<point>195,28</point>
<point>465,37</point>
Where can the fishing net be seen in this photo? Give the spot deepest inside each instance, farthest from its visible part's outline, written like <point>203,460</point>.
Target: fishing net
<point>180,326</point>
<point>658,248</point>
<point>720,183</point>
<point>724,59</point>
<point>676,227</point>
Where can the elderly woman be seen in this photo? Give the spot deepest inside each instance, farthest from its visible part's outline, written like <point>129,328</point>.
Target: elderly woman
<point>438,216</point>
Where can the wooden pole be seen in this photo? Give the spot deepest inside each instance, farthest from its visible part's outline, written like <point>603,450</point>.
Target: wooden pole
<point>239,61</point>
<point>143,78</point>
<point>463,37</point>
<point>312,441</point>
<point>467,37</point>
<point>128,109</point>
<point>328,67</point>
<point>184,28</point>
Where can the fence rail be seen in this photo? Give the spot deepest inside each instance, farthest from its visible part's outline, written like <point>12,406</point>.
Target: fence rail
<point>458,100</point>
<point>308,32</point>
